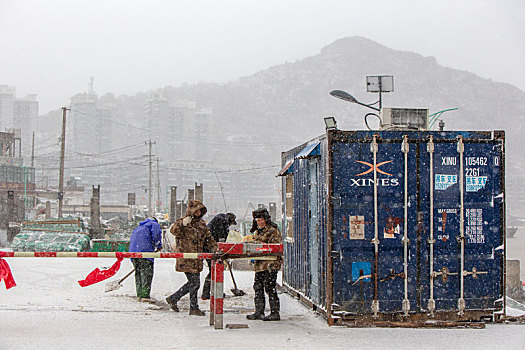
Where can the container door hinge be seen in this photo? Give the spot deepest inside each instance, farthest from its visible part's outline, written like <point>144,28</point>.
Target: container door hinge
<point>336,307</point>
<point>335,254</point>
<point>336,201</point>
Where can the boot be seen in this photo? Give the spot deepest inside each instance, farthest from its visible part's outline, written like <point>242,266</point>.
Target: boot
<point>259,311</point>
<point>197,312</point>
<point>274,311</point>
<point>173,304</point>
<point>206,290</point>
<point>257,315</point>
<point>147,300</point>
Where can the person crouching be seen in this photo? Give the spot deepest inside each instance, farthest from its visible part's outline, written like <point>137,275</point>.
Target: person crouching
<point>266,231</point>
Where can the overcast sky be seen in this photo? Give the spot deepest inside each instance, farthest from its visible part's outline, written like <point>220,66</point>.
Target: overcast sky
<point>53,47</point>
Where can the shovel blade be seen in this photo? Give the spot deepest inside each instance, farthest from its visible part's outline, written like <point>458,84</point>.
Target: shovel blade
<point>113,285</point>
<point>237,292</point>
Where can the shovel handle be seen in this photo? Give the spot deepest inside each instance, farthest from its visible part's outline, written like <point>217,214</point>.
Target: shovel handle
<point>123,278</point>
<point>231,273</point>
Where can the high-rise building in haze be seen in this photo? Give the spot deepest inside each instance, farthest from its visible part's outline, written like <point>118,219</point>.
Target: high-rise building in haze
<point>18,114</point>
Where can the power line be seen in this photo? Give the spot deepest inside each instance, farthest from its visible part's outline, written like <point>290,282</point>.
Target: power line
<point>96,165</point>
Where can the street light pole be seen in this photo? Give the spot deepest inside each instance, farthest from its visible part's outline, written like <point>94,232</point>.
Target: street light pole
<point>62,153</point>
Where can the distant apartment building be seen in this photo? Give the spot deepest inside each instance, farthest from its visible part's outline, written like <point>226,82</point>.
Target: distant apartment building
<point>17,182</point>
<point>91,131</point>
<point>180,130</point>
<point>18,114</point>
<point>105,145</point>
<point>7,101</point>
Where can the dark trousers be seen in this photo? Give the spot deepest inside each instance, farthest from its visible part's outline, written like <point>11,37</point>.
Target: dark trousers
<point>265,281</point>
<point>207,281</point>
<point>143,276</point>
<point>192,287</point>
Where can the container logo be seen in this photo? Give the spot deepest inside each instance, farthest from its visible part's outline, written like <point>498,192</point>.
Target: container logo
<point>372,167</point>
<point>364,182</point>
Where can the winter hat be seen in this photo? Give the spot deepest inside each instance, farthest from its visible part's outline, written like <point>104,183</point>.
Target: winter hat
<point>261,213</point>
<point>231,218</point>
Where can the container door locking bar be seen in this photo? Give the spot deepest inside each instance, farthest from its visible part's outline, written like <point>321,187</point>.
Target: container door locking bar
<point>361,278</point>
<point>444,273</point>
<point>461,300</point>
<point>392,276</point>
<point>474,273</point>
<point>406,302</point>
<point>431,240</point>
<point>375,303</point>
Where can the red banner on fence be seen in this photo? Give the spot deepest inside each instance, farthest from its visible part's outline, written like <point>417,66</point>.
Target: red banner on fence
<point>98,275</point>
<point>6,275</point>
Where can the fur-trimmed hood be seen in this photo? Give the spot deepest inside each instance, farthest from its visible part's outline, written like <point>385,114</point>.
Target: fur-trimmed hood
<point>193,206</point>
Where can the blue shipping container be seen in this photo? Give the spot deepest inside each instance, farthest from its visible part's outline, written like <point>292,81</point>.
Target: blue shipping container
<point>396,225</point>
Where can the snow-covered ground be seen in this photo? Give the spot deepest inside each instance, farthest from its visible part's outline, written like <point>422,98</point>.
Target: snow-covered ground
<point>49,310</point>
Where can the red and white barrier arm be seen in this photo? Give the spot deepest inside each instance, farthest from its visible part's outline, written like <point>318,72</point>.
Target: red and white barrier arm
<point>229,249</point>
<point>117,255</point>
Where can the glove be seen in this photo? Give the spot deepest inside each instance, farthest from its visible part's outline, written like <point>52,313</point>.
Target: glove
<point>186,221</point>
<point>219,254</point>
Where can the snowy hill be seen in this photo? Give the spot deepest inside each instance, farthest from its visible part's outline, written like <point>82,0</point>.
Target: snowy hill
<point>284,105</point>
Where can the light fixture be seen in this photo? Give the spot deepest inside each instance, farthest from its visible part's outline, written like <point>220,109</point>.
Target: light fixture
<point>345,96</point>
<point>330,123</point>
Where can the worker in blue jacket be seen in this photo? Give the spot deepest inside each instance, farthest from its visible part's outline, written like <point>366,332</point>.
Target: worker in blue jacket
<point>147,237</point>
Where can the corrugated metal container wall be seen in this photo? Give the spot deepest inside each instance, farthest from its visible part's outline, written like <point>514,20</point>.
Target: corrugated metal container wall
<point>389,256</point>
<point>304,224</point>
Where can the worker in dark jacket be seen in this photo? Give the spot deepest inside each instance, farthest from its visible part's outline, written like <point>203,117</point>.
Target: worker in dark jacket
<point>265,231</point>
<point>147,237</point>
<point>220,228</point>
<point>191,236</point>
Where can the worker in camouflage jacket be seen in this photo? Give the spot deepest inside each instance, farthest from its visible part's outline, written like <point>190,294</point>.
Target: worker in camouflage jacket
<point>191,236</point>
<point>265,231</point>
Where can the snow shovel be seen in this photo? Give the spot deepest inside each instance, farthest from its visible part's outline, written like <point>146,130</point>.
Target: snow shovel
<point>114,285</point>
<point>235,291</point>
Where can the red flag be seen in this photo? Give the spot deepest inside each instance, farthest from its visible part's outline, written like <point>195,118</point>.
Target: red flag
<point>6,275</point>
<point>98,275</point>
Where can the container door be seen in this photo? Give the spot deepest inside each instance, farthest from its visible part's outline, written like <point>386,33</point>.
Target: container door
<point>313,228</point>
<point>481,256</point>
<point>447,216</point>
<point>354,208</point>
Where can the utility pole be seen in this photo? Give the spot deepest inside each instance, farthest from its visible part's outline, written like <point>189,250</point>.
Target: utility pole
<point>158,185</point>
<point>33,162</point>
<point>150,193</point>
<point>33,151</point>
<point>173,205</point>
<point>62,152</point>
